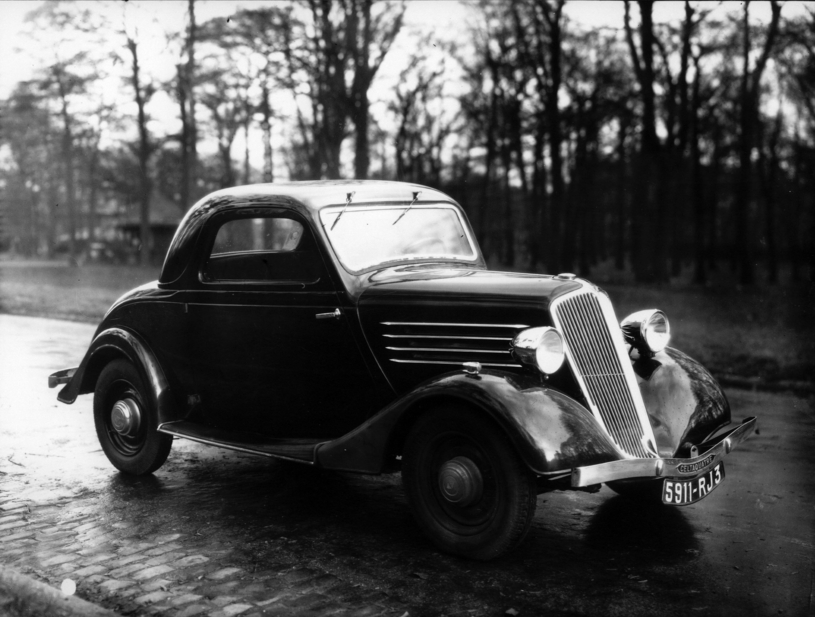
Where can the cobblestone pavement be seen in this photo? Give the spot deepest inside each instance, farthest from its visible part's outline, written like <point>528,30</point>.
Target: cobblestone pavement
<point>220,533</point>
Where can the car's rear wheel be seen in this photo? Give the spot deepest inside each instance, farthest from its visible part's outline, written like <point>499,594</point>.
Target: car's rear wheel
<point>467,488</point>
<point>126,421</point>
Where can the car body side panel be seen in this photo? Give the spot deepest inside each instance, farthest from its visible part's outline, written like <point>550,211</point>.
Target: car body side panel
<point>551,431</point>
<point>685,404</point>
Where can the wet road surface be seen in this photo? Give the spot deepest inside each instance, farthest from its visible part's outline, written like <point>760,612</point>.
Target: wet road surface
<point>215,532</point>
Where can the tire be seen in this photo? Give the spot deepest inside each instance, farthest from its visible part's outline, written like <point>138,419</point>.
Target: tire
<point>479,519</point>
<point>140,449</point>
<point>641,490</point>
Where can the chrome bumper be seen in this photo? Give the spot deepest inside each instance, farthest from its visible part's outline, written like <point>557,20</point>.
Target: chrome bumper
<point>60,377</point>
<point>711,452</point>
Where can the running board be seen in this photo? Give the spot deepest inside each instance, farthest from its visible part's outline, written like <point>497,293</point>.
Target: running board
<point>298,450</point>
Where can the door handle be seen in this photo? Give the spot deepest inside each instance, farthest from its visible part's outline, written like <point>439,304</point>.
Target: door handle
<point>335,314</point>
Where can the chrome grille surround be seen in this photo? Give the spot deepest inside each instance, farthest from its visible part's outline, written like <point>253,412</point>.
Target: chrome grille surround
<point>597,354</point>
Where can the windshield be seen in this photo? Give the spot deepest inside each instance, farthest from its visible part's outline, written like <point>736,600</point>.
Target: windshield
<point>365,237</point>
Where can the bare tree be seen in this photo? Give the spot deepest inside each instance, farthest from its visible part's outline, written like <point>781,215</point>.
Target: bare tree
<point>748,118</point>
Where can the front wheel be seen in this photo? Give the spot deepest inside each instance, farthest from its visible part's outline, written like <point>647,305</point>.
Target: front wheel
<point>126,421</point>
<point>467,488</point>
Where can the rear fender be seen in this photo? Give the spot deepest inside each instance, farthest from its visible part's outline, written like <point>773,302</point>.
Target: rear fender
<point>551,432</point>
<point>109,345</point>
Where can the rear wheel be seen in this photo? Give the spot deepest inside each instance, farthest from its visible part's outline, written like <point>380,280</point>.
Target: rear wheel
<point>467,488</point>
<point>126,421</point>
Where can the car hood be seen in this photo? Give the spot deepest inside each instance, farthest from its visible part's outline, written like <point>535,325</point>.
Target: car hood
<point>420,322</point>
<point>465,285</point>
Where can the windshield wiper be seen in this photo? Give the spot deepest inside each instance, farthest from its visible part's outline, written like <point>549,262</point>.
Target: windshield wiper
<point>415,198</point>
<point>348,198</point>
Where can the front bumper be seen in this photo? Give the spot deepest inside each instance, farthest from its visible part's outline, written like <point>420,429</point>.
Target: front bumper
<point>710,453</point>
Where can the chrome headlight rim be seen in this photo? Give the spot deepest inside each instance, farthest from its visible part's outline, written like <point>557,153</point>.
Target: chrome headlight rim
<point>543,348</point>
<point>648,331</point>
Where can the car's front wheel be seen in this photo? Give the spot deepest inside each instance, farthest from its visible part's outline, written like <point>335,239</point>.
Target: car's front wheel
<point>467,487</point>
<point>126,421</point>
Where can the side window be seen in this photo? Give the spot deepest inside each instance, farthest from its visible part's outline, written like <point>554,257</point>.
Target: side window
<point>260,234</point>
<point>263,250</point>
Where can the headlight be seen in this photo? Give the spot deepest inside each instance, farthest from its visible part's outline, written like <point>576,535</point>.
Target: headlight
<point>649,331</point>
<point>539,347</point>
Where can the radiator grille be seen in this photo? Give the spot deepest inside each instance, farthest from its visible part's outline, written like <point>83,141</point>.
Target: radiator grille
<point>596,355</point>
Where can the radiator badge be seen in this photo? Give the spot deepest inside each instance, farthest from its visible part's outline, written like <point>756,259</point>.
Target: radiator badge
<point>697,466</point>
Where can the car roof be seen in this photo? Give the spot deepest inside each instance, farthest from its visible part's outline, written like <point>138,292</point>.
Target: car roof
<point>320,193</point>
<point>311,195</point>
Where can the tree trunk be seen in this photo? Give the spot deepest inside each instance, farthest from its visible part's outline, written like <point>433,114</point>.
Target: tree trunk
<point>144,155</point>
<point>247,169</point>
<point>556,205</point>
<point>93,192</point>
<point>769,182</point>
<point>186,182</point>
<point>266,126</point>
<point>192,144</point>
<point>648,242</point>
<point>508,239</point>
<point>713,201</point>
<point>743,252</point>
<point>748,117</point>
<point>539,196</point>
<point>699,272</point>
<point>795,233</point>
<point>362,81</point>
<point>619,245</point>
<point>68,171</point>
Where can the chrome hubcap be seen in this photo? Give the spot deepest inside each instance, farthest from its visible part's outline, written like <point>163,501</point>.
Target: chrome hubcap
<point>460,481</point>
<point>125,417</point>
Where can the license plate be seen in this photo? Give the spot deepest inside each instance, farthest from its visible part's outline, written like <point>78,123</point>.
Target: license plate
<point>683,492</point>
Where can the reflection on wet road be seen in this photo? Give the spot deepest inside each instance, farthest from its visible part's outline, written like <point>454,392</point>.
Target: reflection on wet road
<point>220,533</point>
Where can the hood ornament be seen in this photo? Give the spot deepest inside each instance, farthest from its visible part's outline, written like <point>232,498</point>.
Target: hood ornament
<point>472,368</point>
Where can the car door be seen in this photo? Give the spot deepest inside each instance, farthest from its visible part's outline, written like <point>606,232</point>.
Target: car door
<point>275,354</point>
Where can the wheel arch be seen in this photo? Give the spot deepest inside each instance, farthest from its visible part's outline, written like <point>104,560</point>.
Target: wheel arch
<point>418,408</point>
<point>112,344</point>
<point>550,431</point>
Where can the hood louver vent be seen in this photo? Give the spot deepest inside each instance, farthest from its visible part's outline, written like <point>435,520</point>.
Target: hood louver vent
<point>450,343</point>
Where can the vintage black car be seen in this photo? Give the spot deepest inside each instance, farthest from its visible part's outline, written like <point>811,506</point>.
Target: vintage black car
<point>354,326</point>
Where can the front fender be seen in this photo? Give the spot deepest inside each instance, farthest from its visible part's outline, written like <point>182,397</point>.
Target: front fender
<point>551,432</point>
<point>684,402</point>
<point>115,343</point>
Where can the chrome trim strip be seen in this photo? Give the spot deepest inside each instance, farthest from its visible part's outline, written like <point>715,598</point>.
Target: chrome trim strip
<point>452,363</point>
<point>622,358</point>
<point>161,429</point>
<point>457,325</point>
<point>448,349</point>
<point>661,467</point>
<point>504,339</point>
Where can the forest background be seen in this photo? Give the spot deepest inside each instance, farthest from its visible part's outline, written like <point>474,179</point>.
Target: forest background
<point>665,142</point>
